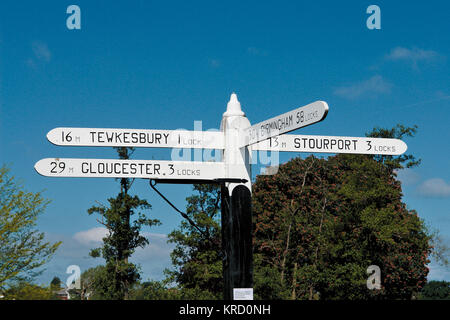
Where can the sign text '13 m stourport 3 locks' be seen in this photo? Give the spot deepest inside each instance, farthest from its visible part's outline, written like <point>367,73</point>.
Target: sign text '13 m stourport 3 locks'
<point>331,144</point>
<point>110,168</point>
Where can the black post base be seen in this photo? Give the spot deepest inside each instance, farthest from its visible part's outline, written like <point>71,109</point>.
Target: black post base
<point>237,239</point>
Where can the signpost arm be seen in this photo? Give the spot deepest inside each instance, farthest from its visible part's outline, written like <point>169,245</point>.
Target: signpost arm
<point>236,204</point>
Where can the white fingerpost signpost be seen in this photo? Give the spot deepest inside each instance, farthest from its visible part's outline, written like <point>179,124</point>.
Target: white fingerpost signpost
<point>237,138</point>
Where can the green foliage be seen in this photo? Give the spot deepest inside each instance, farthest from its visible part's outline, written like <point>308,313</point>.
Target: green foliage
<point>197,256</point>
<point>398,132</point>
<point>55,284</point>
<point>441,251</point>
<point>159,290</point>
<point>319,223</point>
<point>435,290</point>
<point>22,248</point>
<point>99,284</point>
<point>105,278</point>
<point>28,291</point>
<point>95,284</point>
<point>124,222</point>
<point>264,287</point>
<point>151,290</point>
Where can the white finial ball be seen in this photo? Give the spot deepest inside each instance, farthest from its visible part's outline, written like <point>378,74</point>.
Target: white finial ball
<point>234,107</point>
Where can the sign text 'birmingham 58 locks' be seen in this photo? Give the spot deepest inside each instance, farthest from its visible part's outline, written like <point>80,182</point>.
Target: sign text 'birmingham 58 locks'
<point>286,122</point>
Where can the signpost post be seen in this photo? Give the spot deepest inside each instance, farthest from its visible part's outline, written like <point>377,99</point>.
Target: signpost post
<point>236,211</point>
<point>236,139</point>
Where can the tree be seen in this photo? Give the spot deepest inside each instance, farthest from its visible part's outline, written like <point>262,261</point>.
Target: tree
<point>22,290</point>
<point>197,257</point>
<point>23,250</point>
<point>155,290</point>
<point>441,251</point>
<point>435,290</point>
<point>55,284</point>
<point>95,284</point>
<point>319,223</point>
<point>124,235</point>
<point>393,163</point>
<point>292,224</point>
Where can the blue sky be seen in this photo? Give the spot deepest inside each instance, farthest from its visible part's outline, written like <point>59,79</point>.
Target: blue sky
<point>164,65</point>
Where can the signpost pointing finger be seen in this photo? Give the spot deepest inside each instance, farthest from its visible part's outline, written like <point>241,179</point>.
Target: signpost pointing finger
<point>115,168</point>
<point>286,122</point>
<point>331,144</point>
<point>101,137</point>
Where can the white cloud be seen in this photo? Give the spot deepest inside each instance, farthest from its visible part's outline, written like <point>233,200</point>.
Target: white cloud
<point>157,248</point>
<point>374,85</point>
<point>91,236</point>
<point>253,51</point>
<point>434,188</point>
<point>153,258</point>
<point>30,62</point>
<point>155,235</point>
<point>214,63</point>
<point>41,55</point>
<point>413,55</point>
<point>437,272</point>
<point>41,51</point>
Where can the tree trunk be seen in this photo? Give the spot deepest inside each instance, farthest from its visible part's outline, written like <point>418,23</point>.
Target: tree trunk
<point>283,263</point>
<point>294,281</point>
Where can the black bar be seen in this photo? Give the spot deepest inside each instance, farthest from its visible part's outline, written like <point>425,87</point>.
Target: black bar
<point>184,181</point>
<point>237,240</point>
<point>204,181</point>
